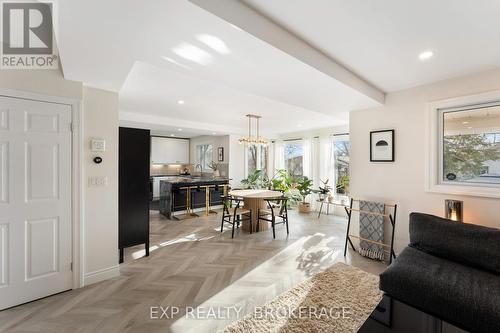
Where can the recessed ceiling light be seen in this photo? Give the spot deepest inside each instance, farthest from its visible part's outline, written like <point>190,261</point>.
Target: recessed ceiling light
<point>213,133</point>
<point>193,53</point>
<point>215,43</point>
<point>172,134</point>
<point>426,55</point>
<point>181,102</point>
<point>179,129</point>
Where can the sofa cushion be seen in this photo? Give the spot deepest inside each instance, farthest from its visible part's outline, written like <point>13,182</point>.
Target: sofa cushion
<point>469,244</point>
<point>458,294</point>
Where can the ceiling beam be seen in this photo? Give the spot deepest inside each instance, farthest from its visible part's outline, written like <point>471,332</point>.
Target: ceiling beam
<point>247,18</point>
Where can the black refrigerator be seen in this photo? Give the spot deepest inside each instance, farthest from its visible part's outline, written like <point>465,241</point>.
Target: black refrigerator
<point>133,198</point>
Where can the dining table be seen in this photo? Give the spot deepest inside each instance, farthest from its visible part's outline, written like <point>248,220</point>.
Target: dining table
<point>255,200</point>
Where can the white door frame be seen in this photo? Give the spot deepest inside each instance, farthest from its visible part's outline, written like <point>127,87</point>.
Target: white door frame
<point>77,197</point>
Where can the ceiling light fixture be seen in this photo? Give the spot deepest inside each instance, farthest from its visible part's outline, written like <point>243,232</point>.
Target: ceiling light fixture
<point>426,55</point>
<point>181,102</point>
<point>179,129</point>
<point>193,53</point>
<point>256,140</point>
<point>215,43</point>
<point>172,134</point>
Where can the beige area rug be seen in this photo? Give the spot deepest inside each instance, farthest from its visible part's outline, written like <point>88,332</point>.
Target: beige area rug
<point>339,299</point>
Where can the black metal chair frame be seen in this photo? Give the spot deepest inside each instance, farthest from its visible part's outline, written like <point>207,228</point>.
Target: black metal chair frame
<point>234,218</point>
<point>283,214</point>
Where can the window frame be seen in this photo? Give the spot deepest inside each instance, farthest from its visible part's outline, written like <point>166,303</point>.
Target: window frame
<point>259,162</point>
<point>294,141</point>
<point>202,163</point>
<point>435,147</point>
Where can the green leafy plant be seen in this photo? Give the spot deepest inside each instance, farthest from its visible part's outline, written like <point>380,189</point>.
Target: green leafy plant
<point>304,185</point>
<point>342,184</point>
<point>254,180</point>
<point>324,190</point>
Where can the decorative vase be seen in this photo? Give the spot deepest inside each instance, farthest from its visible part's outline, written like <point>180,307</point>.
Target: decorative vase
<point>216,173</point>
<point>330,198</point>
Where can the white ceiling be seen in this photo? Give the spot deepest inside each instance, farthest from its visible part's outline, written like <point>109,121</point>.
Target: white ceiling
<point>135,48</point>
<point>381,40</point>
<point>211,106</point>
<point>125,45</point>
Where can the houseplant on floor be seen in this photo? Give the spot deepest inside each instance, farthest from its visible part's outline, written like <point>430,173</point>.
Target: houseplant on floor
<point>304,185</point>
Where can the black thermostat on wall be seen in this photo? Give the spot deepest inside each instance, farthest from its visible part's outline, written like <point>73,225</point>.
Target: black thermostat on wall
<point>97,160</point>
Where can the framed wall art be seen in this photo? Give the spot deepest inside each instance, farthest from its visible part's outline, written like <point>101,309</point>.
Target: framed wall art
<point>382,146</point>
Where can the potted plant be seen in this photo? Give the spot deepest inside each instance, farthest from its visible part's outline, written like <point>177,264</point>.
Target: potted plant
<point>324,190</point>
<point>215,168</point>
<point>253,181</point>
<point>304,185</point>
<point>343,185</point>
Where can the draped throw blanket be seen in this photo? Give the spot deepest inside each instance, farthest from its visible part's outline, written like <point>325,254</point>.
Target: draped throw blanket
<point>371,227</point>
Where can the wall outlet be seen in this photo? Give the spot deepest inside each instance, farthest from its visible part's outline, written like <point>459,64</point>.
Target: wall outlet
<point>98,181</point>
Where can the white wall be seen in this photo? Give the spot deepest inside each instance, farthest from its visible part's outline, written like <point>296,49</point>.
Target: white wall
<point>215,141</point>
<point>100,111</point>
<point>237,161</point>
<point>402,182</point>
<point>101,203</point>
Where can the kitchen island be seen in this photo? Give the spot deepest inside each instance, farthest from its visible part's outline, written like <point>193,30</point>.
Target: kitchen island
<point>191,194</point>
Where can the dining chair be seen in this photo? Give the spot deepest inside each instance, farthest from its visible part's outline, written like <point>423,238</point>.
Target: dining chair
<point>239,215</point>
<point>277,208</point>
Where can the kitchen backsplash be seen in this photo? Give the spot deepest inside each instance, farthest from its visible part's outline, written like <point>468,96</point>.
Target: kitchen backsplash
<point>159,169</point>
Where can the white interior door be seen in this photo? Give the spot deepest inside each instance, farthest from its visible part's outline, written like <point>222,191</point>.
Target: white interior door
<point>35,200</point>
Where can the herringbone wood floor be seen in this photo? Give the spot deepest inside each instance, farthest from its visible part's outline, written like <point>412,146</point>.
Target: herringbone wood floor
<point>193,264</point>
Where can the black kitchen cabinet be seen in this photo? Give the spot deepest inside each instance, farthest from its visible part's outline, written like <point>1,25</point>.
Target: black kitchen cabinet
<point>134,188</point>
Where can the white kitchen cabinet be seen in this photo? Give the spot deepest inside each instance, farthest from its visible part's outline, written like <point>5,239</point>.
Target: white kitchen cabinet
<point>169,150</point>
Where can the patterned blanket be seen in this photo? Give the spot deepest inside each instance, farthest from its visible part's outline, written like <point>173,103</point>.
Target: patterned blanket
<point>371,227</point>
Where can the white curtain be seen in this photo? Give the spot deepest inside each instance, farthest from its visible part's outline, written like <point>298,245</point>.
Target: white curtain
<point>307,158</point>
<point>279,156</point>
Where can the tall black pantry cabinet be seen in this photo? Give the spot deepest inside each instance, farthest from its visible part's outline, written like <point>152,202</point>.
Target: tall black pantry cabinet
<point>133,202</point>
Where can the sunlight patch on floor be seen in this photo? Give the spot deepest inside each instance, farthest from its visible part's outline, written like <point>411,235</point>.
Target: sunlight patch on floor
<point>183,239</point>
<point>305,257</point>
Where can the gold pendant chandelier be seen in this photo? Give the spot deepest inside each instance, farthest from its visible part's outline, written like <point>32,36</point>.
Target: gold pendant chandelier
<point>256,140</point>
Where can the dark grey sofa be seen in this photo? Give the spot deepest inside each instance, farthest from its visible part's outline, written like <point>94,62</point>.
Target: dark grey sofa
<point>450,270</point>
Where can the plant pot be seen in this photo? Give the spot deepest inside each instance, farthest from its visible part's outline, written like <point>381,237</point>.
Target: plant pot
<point>304,207</point>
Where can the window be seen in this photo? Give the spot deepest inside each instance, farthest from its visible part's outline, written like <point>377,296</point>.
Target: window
<point>257,158</point>
<point>341,148</point>
<point>204,155</point>
<point>470,145</point>
<point>294,158</point>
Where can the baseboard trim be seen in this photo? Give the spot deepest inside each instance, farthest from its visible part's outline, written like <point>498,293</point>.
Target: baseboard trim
<point>101,275</point>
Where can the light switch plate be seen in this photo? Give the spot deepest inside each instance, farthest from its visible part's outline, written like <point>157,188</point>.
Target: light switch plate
<point>98,145</point>
<point>98,181</point>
